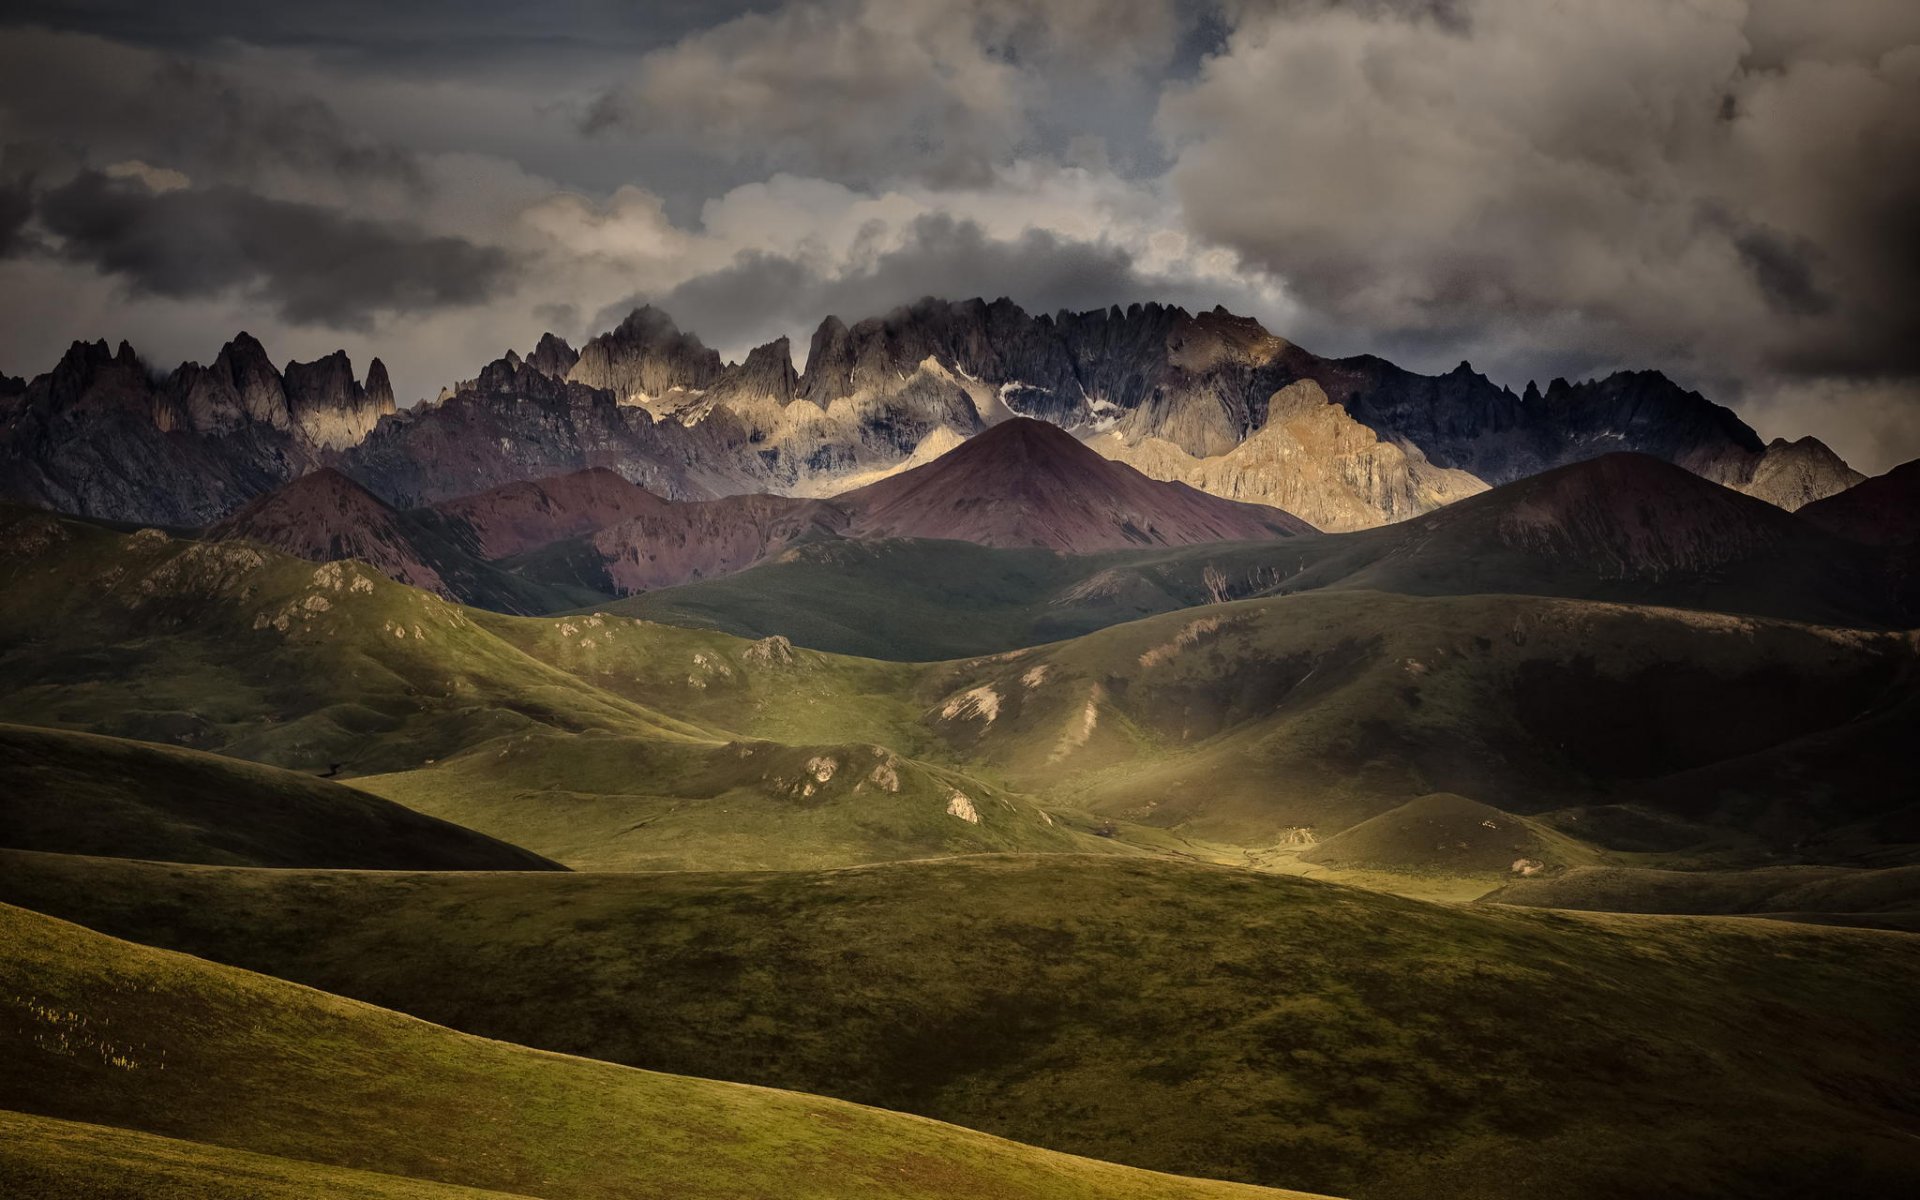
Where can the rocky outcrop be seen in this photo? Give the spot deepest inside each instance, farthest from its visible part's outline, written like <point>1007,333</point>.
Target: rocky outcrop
<point>514,423</point>
<point>102,436</point>
<point>552,356</point>
<point>1795,474</point>
<point>99,436</point>
<point>1209,399</point>
<point>645,358</point>
<point>1311,459</point>
<point>328,408</point>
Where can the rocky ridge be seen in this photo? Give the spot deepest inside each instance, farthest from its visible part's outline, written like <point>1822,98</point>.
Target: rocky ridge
<point>1210,399</point>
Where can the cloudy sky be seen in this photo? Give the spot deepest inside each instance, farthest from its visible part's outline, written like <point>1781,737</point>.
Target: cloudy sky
<point>1728,190</point>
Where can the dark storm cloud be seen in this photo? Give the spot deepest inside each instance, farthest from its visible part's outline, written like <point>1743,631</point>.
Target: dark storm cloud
<point>761,295</point>
<point>110,101</point>
<point>309,264</point>
<point>1724,182</point>
<point>430,29</point>
<point>16,209</point>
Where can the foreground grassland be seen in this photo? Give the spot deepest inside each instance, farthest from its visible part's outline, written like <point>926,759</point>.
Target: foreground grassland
<point>104,1032</point>
<point>1201,1020</point>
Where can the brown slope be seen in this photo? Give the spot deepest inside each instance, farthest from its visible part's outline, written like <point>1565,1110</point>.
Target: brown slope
<point>1882,511</point>
<point>323,517</point>
<point>1629,515</point>
<point>1624,527</point>
<point>518,517</point>
<point>1028,483</point>
<point>701,539</point>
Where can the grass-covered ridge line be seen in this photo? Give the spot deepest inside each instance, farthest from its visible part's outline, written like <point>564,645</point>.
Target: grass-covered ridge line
<point>1187,1018</point>
<point>79,793</point>
<point>106,1032</point>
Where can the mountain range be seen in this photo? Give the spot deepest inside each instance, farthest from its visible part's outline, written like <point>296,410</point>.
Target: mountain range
<point>1211,399</point>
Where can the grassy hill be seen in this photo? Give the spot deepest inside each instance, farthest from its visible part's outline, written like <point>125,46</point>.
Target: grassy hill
<point>910,599</point>
<point>1189,1018</point>
<point>1247,722</point>
<point>78,793</point>
<point>1450,835</point>
<point>73,1160</point>
<point>600,802</point>
<point>223,646</point>
<point>108,1033</point>
<point>1887,896</point>
<point>604,741</point>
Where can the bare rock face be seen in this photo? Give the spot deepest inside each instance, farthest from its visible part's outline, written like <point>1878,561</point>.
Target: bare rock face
<point>1210,399</point>
<point>552,356</point>
<point>329,409</point>
<point>645,357</point>
<point>1794,474</point>
<point>99,436</point>
<point>1311,459</point>
<point>514,423</point>
<point>240,387</point>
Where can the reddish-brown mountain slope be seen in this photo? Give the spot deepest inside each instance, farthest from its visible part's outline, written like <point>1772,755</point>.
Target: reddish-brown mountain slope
<point>1882,511</point>
<point>325,516</point>
<point>517,517</point>
<point>1027,483</point>
<point>700,539</point>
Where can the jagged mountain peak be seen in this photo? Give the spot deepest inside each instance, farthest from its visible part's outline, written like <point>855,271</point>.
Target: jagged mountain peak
<point>646,355</point>
<point>553,356</point>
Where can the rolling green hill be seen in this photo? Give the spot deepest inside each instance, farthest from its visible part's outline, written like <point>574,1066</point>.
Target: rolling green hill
<point>910,599</point>
<point>599,740</point>
<point>1889,895</point>
<point>599,802</point>
<point>1450,835</point>
<point>1247,722</point>
<point>78,793</point>
<point>222,646</point>
<point>108,1033</point>
<point>1182,1017</point>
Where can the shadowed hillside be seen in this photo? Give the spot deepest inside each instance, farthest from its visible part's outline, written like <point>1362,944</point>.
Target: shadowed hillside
<point>1198,1019</point>
<point>122,1035</point>
<point>76,793</point>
